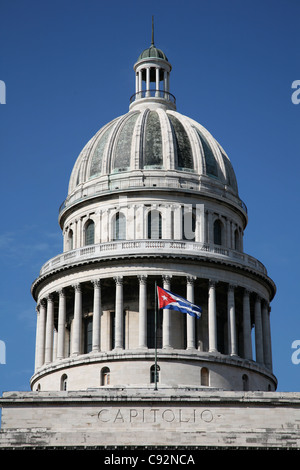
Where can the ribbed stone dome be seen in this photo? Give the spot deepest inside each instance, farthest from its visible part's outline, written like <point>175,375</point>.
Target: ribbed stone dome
<point>150,139</point>
<point>152,52</point>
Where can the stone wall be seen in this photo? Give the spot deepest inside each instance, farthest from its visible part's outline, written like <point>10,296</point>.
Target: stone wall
<point>169,417</point>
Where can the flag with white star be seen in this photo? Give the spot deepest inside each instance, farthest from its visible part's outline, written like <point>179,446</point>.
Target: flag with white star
<point>168,300</point>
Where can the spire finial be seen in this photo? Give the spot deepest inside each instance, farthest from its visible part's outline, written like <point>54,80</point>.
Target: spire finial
<point>152,36</point>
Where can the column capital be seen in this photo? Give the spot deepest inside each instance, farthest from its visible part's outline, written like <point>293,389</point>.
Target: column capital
<point>77,287</point>
<point>265,303</point>
<point>50,297</point>
<point>62,292</point>
<point>118,280</point>
<point>231,287</point>
<point>96,282</point>
<point>142,279</point>
<point>247,292</point>
<point>42,303</point>
<point>191,279</point>
<point>212,283</point>
<point>167,277</point>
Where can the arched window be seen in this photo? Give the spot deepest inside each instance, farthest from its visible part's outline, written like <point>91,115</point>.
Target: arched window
<point>204,376</point>
<point>152,374</point>
<point>218,232</point>
<point>70,239</point>
<point>90,233</point>
<point>188,225</point>
<point>105,376</point>
<point>245,383</point>
<point>63,382</point>
<point>119,227</point>
<point>154,225</point>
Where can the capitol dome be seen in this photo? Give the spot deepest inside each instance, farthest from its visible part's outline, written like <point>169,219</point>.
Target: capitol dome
<point>146,140</point>
<point>153,145</point>
<point>153,200</point>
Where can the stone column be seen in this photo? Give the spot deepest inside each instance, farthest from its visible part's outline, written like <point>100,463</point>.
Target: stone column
<point>40,354</point>
<point>142,311</point>
<point>228,233</point>
<point>97,309</point>
<point>61,325</point>
<point>166,84</point>
<point>247,326</point>
<point>119,313</point>
<point>136,83</point>
<point>157,81</point>
<point>258,332</point>
<point>54,354</point>
<point>77,326</point>
<point>212,317</point>
<point>147,81</point>
<point>49,329</point>
<point>140,84</point>
<point>166,317</point>
<point>210,228</point>
<point>190,321</point>
<point>232,343</point>
<point>266,335</point>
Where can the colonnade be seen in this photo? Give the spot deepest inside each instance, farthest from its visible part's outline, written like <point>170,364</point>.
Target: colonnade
<point>49,333</point>
<point>145,73</point>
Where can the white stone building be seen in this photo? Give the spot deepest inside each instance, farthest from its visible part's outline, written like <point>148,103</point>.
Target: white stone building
<point>152,198</point>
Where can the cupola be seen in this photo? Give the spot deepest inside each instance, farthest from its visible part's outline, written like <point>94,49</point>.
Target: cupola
<point>152,78</point>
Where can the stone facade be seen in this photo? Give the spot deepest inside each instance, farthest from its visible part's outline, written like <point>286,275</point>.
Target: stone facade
<point>141,418</point>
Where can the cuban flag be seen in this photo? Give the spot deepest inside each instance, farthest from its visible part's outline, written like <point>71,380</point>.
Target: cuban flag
<point>172,301</point>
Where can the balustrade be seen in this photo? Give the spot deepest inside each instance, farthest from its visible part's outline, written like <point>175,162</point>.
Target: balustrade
<point>144,247</point>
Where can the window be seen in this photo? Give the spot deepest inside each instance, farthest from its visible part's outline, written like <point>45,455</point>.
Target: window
<point>88,335</point>
<point>204,377</point>
<point>70,240</point>
<point>152,374</point>
<point>245,383</point>
<point>63,382</point>
<point>105,376</point>
<point>218,232</point>
<point>119,227</point>
<point>90,233</point>
<point>154,225</point>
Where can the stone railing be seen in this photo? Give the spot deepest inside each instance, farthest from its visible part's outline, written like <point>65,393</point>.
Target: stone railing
<point>150,247</point>
<point>136,180</point>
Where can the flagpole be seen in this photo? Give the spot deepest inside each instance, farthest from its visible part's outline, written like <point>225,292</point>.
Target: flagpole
<point>155,339</point>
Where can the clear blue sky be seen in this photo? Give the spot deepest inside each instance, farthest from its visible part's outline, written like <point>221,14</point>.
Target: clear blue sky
<point>68,70</point>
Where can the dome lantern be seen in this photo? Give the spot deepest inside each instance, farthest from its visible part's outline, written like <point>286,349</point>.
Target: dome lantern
<point>152,78</point>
